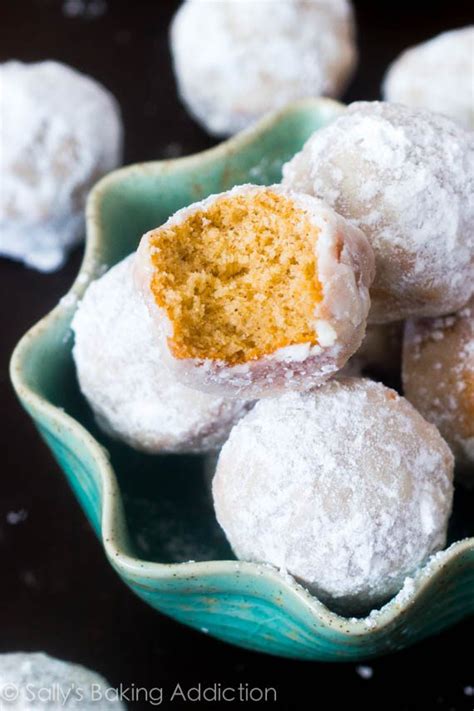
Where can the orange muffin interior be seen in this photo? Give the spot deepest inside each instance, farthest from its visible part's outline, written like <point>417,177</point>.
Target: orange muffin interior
<point>238,279</point>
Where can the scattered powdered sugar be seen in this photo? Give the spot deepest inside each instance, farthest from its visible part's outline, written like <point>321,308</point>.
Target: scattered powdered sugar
<point>364,671</point>
<point>86,9</point>
<point>29,579</point>
<point>68,300</point>
<point>122,375</point>
<point>173,150</point>
<point>347,488</point>
<point>168,530</point>
<point>37,682</point>
<point>236,60</point>
<point>60,132</point>
<point>16,517</point>
<point>406,178</point>
<point>436,75</point>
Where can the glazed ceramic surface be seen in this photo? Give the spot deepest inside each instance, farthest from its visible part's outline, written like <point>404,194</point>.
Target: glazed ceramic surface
<point>154,514</point>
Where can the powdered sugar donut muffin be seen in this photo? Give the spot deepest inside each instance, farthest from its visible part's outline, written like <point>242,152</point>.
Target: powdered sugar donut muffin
<point>406,178</point>
<point>235,60</point>
<point>347,488</point>
<point>256,290</point>
<point>34,681</point>
<point>134,397</point>
<point>60,131</point>
<point>437,75</point>
<point>438,378</point>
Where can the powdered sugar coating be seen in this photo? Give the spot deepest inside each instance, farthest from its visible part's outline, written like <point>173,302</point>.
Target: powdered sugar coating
<point>346,487</point>
<point>34,681</point>
<point>235,60</point>
<point>406,178</point>
<point>345,270</point>
<point>134,397</point>
<point>438,378</point>
<point>437,75</point>
<point>60,132</point>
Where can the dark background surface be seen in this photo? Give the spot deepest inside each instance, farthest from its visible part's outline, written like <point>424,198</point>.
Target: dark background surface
<point>57,592</point>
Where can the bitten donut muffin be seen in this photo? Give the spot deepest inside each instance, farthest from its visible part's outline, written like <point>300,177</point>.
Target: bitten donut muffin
<point>121,374</point>
<point>60,131</point>
<point>437,75</point>
<point>256,290</point>
<point>405,177</point>
<point>347,488</point>
<point>438,378</point>
<point>235,60</point>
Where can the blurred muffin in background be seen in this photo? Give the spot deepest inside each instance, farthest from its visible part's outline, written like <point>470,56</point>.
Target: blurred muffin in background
<point>236,60</point>
<point>60,132</point>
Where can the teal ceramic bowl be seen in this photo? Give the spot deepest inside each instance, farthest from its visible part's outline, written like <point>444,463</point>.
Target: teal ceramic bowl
<point>153,514</point>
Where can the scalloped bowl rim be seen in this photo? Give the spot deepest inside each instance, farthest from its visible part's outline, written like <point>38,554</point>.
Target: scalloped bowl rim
<point>112,519</point>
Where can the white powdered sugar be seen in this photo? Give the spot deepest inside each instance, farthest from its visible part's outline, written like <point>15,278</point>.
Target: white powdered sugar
<point>437,75</point>
<point>235,60</point>
<point>438,378</point>
<point>60,132</point>
<point>33,681</point>
<point>134,397</point>
<point>348,488</point>
<point>345,268</point>
<point>405,177</point>
<point>87,9</point>
<point>364,671</point>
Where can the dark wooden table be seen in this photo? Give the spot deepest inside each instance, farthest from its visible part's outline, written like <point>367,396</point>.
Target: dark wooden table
<point>57,592</point>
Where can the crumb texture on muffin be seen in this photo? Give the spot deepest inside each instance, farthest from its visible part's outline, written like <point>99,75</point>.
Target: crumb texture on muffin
<point>238,279</point>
